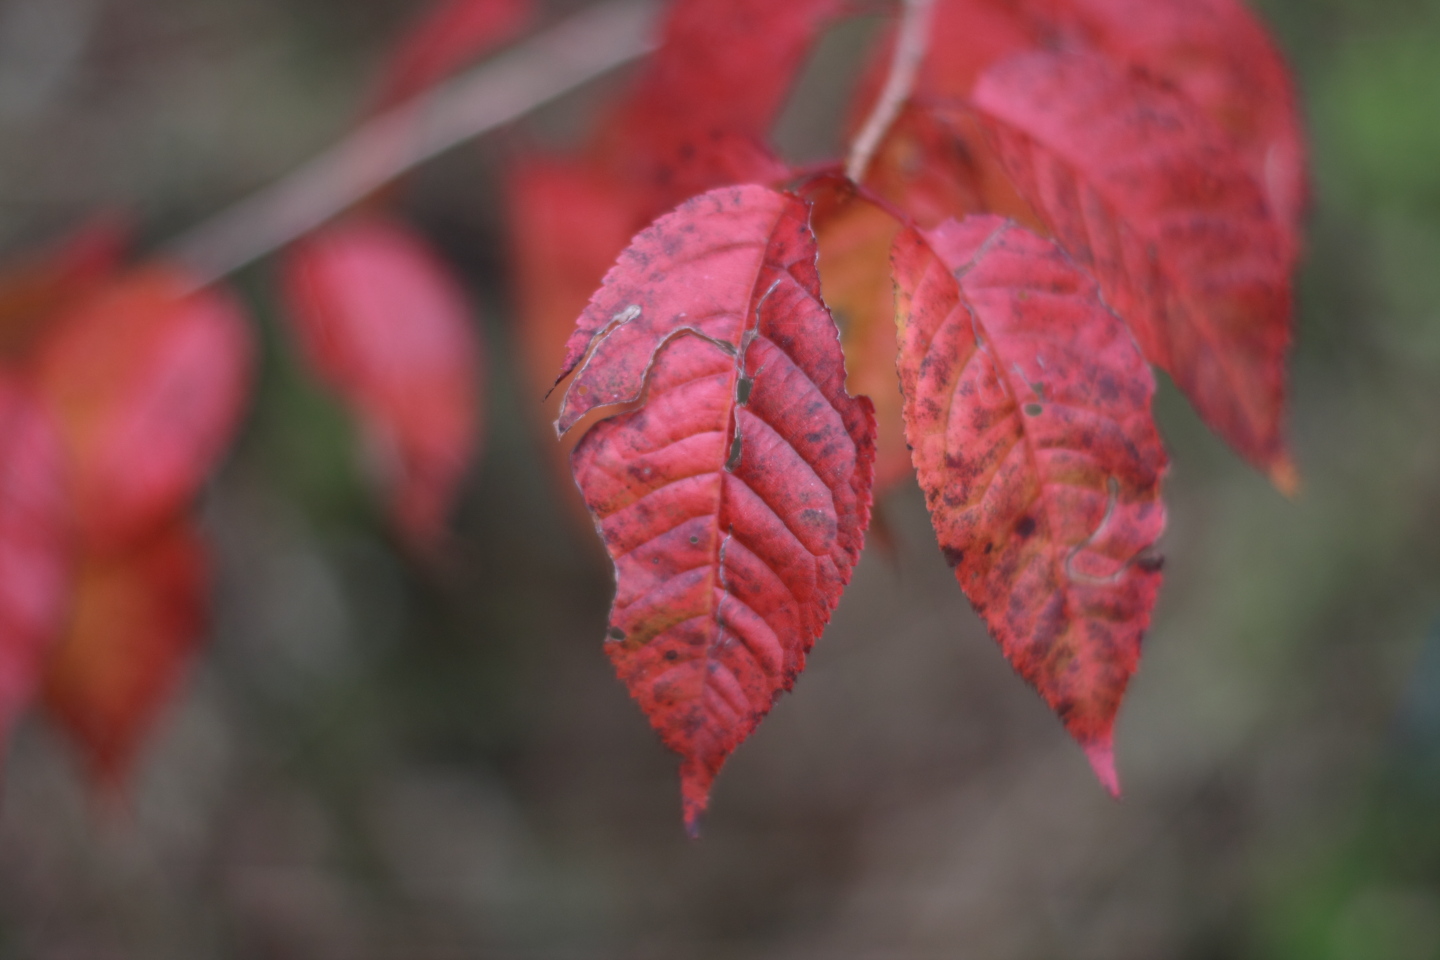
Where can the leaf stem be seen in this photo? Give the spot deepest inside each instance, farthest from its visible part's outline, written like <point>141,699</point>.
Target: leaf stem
<point>525,77</point>
<point>910,49</point>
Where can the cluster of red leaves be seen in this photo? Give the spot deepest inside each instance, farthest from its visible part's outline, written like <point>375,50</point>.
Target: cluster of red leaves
<point>1072,191</point>
<point>122,387</point>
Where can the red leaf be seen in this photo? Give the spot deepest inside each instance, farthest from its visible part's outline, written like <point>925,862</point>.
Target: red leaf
<point>381,322</point>
<point>148,381</point>
<point>35,547</point>
<point>1220,56</point>
<point>734,497</point>
<point>1027,407</point>
<point>1146,192</point>
<point>697,76</point>
<point>700,112</point>
<point>447,37</point>
<point>966,37</point>
<point>136,622</point>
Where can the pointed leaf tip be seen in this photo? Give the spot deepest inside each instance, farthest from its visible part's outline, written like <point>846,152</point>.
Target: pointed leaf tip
<point>1101,754</point>
<point>1286,477</point>
<point>696,779</point>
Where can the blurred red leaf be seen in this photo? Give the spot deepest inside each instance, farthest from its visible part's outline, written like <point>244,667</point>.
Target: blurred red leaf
<point>35,546</point>
<point>696,78</point>
<point>1027,407</point>
<point>1148,194</point>
<point>699,114</point>
<point>34,291</point>
<point>444,39</point>
<point>381,322</point>
<point>1222,58</point>
<point>137,620</point>
<point>734,497</point>
<point>148,379</point>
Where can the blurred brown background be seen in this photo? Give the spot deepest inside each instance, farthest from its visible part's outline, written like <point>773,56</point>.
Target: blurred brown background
<point>371,761</point>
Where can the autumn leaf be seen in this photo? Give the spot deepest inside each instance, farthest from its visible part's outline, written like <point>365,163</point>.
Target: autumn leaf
<point>1217,54</point>
<point>35,547</point>
<point>1027,406</point>
<point>380,321</point>
<point>444,39</point>
<point>136,623</point>
<point>148,379</point>
<point>733,497</point>
<point>698,115</point>
<point>696,77</point>
<point>1148,194</point>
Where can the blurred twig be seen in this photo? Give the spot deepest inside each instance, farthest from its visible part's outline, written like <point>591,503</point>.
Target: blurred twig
<point>905,63</point>
<point>562,58</point>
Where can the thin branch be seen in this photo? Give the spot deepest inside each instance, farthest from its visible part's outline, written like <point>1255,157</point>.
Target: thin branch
<point>904,67</point>
<point>562,58</point>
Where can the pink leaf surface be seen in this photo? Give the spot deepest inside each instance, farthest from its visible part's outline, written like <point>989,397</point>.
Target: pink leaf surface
<point>1151,196</point>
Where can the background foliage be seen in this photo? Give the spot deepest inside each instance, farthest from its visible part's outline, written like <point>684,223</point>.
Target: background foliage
<point>374,762</point>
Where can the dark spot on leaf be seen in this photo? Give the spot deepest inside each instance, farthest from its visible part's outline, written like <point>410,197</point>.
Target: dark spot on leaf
<point>672,655</point>
<point>953,556</point>
<point>616,633</point>
<point>1034,409</point>
<point>694,539</point>
<point>1150,562</point>
<point>1026,527</point>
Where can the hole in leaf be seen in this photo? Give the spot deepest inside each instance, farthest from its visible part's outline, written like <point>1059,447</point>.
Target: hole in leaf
<point>742,390</point>
<point>734,460</point>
